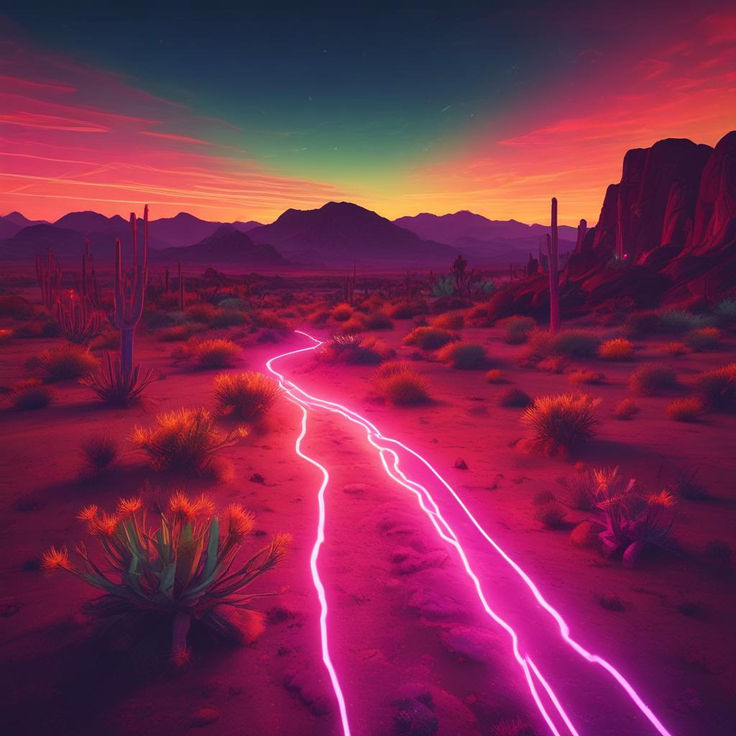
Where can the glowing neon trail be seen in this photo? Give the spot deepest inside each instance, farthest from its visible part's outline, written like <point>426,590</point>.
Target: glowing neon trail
<point>547,701</point>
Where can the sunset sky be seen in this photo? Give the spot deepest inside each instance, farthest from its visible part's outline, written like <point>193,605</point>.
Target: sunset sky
<point>240,114</point>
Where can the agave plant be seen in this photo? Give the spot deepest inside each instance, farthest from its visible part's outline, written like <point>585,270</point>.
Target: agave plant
<point>183,568</point>
<point>116,387</point>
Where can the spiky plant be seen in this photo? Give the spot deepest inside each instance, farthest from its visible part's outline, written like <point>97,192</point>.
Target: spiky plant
<point>79,321</point>
<point>116,387</point>
<point>562,423</point>
<point>248,395</point>
<point>182,569</point>
<point>184,440</point>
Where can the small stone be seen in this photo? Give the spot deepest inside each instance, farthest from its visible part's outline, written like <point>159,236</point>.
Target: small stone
<point>257,478</point>
<point>460,464</point>
<point>611,602</point>
<point>204,717</point>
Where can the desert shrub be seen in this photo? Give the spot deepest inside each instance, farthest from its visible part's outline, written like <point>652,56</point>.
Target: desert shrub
<point>554,364</point>
<point>65,362</point>
<point>464,355</point>
<point>407,309</point>
<point>725,313</point>
<point>31,394</point>
<point>355,349</point>
<point>626,409</point>
<point>404,388</point>
<point>184,440</point>
<point>217,353</point>
<point>177,565</point>
<point>114,387</point>
<point>393,368</point>
<point>109,340</point>
<point>561,423</point>
<point>679,320</point>
<point>232,302</point>
<point>617,349</point>
<point>674,348</point>
<point>717,388</point>
<point>356,323</point>
<point>685,410</point>
<point>449,321</point>
<point>517,329</point>
<point>581,491</point>
<point>178,333</point>
<point>34,328</point>
<point>228,318</point>
<point>318,317</point>
<point>200,312</point>
<point>268,318</point>
<point>157,319</point>
<point>706,338</point>
<point>515,397</point>
<point>430,338</point>
<point>642,323</point>
<point>378,320</point>
<point>99,452</point>
<point>14,306</point>
<point>247,395</point>
<point>585,376</point>
<point>551,514</point>
<point>495,375</point>
<point>651,378</point>
<point>341,313</point>
<point>565,344</point>
<point>686,485</point>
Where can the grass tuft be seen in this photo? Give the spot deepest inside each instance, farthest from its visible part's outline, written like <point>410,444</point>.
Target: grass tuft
<point>247,395</point>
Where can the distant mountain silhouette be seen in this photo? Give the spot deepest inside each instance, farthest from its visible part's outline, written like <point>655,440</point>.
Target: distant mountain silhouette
<point>482,240</point>
<point>246,227</point>
<point>11,223</point>
<point>226,246</point>
<point>182,229</point>
<point>341,234</point>
<point>90,222</point>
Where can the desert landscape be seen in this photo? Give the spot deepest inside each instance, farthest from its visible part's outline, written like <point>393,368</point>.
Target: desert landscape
<point>331,472</point>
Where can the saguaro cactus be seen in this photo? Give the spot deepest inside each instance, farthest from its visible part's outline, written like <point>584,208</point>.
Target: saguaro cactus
<point>130,288</point>
<point>49,279</point>
<point>554,279</point>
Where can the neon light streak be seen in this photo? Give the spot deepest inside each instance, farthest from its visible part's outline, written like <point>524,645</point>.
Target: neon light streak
<point>315,573</point>
<point>305,399</point>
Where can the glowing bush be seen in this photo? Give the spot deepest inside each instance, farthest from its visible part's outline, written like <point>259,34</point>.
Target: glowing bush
<point>177,333</point>
<point>706,338</point>
<point>561,423</point>
<point>378,320</point>
<point>247,395</point>
<point>393,368</point>
<point>585,376</point>
<point>616,349</point>
<point>464,355</point>
<point>495,375</point>
<point>100,452</point>
<point>31,394</point>
<point>685,410</point>
<point>201,312</point>
<point>216,353</point>
<point>717,388</point>
<point>406,309</point>
<point>177,565</point>
<point>515,397</point>
<point>185,440</point>
<point>116,388</point>
<point>430,338</point>
<point>566,344</point>
<point>626,409</point>
<point>651,378</point>
<point>449,321</point>
<point>355,349</point>
<point>341,313</point>
<point>401,386</point>
<point>517,329</point>
<point>551,514</point>
<point>65,362</point>
<point>674,349</point>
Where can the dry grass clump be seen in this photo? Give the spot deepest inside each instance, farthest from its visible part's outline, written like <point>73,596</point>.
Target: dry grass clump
<point>200,312</point>
<point>65,362</point>
<point>585,376</point>
<point>184,440</point>
<point>560,424</point>
<point>717,388</point>
<point>626,409</point>
<point>407,309</point>
<point>31,394</point>
<point>229,318</point>
<point>565,344</point>
<point>400,385</point>
<point>617,349</point>
<point>515,397</point>
<point>99,452</point>
<point>685,410</point>
<point>378,320</point>
<point>517,329</point>
<point>216,353</point>
<point>706,338</point>
<point>449,321</point>
<point>178,333</point>
<point>342,312</point>
<point>551,514</point>
<point>464,355</point>
<point>496,375</point>
<point>248,395</point>
<point>355,350</point>
<point>651,378</point>
<point>674,349</point>
<point>430,338</point>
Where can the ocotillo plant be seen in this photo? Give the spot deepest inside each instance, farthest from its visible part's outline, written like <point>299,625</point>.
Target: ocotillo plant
<point>554,283</point>
<point>49,279</point>
<point>80,322</point>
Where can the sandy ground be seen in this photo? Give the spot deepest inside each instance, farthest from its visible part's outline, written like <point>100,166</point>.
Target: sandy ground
<point>404,621</point>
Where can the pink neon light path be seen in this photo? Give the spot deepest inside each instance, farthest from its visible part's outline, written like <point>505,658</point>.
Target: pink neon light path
<point>391,463</point>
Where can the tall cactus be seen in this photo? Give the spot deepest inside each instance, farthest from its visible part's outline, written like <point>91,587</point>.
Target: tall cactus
<point>130,289</point>
<point>582,232</point>
<point>554,279</point>
<point>49,279</point>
